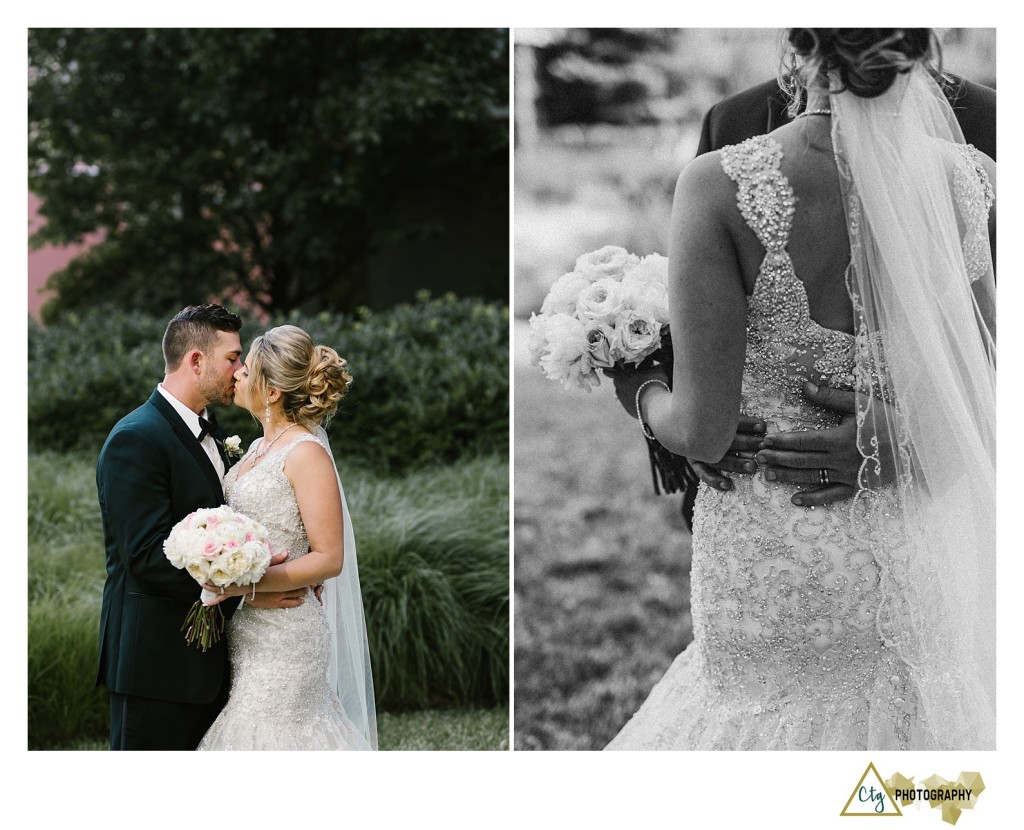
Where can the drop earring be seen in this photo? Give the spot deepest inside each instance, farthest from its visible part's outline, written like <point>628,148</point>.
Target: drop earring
<point>267,418</point>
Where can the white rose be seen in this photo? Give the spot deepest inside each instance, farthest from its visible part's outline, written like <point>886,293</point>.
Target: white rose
<point>639,335</point>
<point>600,341</point>
<point>609,261</point>
<point>648,299</point>
<point>601,301</point>
<point>562,351</point>
<point>220,573</point>
<point>228,533</point>
<point>538,337</point>
<point>564,294</point>
<point>258,552</point>
<point>199,569</point>
<point>233,445</point>
<point>653,268</point>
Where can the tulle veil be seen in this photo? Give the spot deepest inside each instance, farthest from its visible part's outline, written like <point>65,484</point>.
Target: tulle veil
<point>923,287</point>
<point>350,674</point>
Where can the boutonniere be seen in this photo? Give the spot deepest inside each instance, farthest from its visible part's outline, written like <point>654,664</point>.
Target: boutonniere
<point>233,446</point>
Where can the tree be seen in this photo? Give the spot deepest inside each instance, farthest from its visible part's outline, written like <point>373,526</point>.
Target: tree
<point>264,161</point>
<point>604,76</point>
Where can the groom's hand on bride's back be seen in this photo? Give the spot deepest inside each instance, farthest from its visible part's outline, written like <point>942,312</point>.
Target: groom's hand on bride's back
<point>800,457</point>
<point>739,458</point>
<point>277,599</point>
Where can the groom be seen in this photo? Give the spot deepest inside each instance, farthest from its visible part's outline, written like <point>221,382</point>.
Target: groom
<point>160,463</point>
<point>797,457</point>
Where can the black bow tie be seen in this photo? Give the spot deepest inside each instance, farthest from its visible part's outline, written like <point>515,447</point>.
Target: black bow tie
<point>205,428</point>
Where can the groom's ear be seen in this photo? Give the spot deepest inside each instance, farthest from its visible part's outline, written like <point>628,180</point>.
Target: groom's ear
<point>195,361</point>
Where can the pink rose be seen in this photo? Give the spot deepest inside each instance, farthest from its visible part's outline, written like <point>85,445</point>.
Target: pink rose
<point>211,549</point>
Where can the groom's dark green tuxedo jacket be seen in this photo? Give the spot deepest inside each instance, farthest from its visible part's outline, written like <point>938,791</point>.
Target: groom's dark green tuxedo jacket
<point>152,472</point>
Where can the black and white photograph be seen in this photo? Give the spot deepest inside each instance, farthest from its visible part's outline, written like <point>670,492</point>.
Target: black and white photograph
<point>754,366</point>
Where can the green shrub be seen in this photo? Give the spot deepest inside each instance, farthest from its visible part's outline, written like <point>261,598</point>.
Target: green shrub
<point>433,556</point>
<point>435,582</point>
<point>430,379</point>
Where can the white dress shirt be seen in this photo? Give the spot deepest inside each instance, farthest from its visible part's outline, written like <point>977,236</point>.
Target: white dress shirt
<point>192,422</point>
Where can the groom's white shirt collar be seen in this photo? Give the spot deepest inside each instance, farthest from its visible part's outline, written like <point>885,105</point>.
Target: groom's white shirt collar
<point>187,415</point>
<point>191,420</point>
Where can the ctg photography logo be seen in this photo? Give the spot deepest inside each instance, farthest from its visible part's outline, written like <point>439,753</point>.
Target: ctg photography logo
<point>873,797</point>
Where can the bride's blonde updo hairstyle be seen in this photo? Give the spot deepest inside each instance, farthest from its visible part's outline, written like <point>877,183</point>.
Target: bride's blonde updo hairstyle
<point>312,379</point>
<point>867,61</point>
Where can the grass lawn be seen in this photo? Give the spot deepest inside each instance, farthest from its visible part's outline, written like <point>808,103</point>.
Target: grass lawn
<point>434,568</point>
<point>431,729</point>
<point>601,567</point>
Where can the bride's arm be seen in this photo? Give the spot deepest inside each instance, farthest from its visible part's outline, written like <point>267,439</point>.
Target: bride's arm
<point>707,307</point>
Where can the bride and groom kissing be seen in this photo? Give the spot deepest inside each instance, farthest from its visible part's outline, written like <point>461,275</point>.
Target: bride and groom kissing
<point>293,671</point>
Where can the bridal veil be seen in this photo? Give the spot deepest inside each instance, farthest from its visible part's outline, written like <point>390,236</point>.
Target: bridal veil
<point>922,283</point>
<point>349,672</point>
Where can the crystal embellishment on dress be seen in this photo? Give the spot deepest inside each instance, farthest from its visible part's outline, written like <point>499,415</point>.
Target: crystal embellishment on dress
<point>789,649</point>
<point>280,698</point>
<point>974,196</point>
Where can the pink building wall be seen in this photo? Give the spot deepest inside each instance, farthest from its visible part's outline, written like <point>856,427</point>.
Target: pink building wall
<point>43,262</point>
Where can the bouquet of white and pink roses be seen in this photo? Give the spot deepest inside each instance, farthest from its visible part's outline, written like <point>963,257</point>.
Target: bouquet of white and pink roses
<point>611,310</point>
<point>220,547</point>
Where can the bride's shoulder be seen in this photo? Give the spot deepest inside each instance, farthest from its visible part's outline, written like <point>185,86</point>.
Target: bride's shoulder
<point>705,181</point>
<point>305,446</point>
<point>309,461</point>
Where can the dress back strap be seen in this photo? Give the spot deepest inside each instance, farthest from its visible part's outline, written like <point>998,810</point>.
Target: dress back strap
<point>763,195</point>
<point>974,197</point>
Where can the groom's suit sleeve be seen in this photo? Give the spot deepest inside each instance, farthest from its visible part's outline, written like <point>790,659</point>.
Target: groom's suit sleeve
<point>135,491</point>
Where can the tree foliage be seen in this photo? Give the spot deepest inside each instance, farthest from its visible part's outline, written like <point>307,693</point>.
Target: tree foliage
<point>596,76</point>
<point>268,161</point>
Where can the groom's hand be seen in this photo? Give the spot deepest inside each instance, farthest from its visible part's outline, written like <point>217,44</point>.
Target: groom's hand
<point>799,457</point>
<point>740,457</point>
<point>277,599</point>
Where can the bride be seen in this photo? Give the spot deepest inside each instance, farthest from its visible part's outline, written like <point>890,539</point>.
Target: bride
<point>851,248</point>
<point>300,676</point>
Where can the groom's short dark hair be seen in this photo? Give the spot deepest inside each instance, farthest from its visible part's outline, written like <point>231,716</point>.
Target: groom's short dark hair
<point>196,327</point>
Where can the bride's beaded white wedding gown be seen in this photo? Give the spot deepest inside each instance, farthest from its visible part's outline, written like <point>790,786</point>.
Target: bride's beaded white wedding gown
<point>280,697</point>
<point>791,647</point>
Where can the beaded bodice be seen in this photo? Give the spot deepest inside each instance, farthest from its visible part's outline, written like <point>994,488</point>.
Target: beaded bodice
<point>266,494</point>
<point>785,347</point>
<point>974,197</point>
